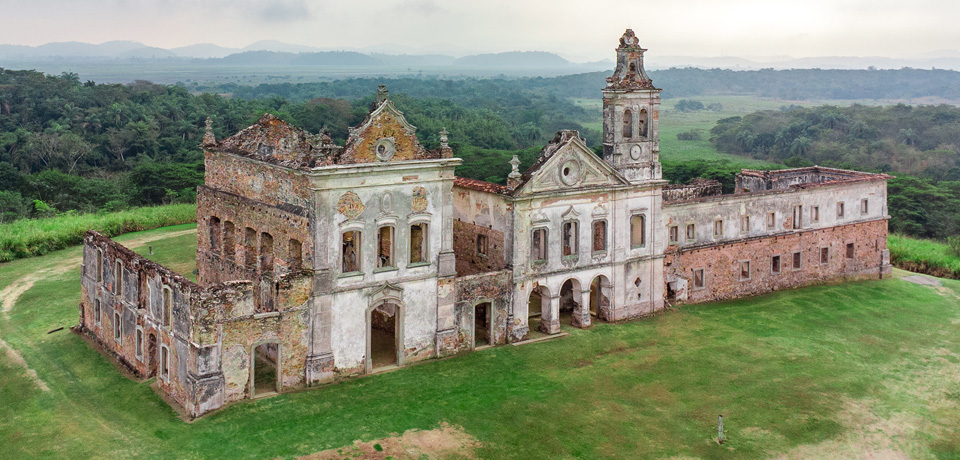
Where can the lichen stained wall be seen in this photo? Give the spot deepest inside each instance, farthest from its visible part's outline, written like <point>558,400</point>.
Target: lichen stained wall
<point>481,213</point>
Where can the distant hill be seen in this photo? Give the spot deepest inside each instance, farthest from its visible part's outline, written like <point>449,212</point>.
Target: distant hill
<point>204,50</point>
<point>514,59</point>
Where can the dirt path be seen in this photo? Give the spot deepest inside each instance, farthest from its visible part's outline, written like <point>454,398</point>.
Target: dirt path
<point>444,442</point>
<point>10,294</point>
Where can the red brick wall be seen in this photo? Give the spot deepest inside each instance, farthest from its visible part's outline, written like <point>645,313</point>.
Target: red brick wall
<point>469,262</point>
<point>721,263</point>
<point>259,181</point>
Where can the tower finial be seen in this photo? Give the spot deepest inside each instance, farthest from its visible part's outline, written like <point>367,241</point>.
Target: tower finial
<point>382,94</point>
<point>208,139</point>
<point>513,180</point>
<point>445,150</point>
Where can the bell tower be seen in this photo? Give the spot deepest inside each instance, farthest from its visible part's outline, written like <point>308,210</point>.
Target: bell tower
<point>631,115</point>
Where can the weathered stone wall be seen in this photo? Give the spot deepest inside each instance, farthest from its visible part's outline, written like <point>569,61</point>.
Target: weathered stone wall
<point>695,189</point>
<point>721,263</point>
<point>192,381</point>
<point>469,259</point>
<point>282,223</point>
<point>494,287</point>
<point>271,184</point>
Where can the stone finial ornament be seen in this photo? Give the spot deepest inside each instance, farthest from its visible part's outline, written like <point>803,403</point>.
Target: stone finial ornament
<point>208,138</point>
<point>382,94</point>
<point>445,150</point>
<point>513,180</point>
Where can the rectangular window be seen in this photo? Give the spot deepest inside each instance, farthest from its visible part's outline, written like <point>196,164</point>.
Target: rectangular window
<point>164,363</point>
<point>167,307</point>
<point>214,232</point>
<point>674,233</point>
<point>350,252</point>
<point>744,224</point>
<point>771,220</point>
<point>295,254</point>
<point>718,227</point>
<point>638,231</point>
<point>849,250</point>
<point>385,247</point>
<point>139,344</point>
<point>599,235</point>
<point>570,237</point>
<point>96,312</point>
<point>99,274</point>
<point>775,265</point>
<point>798,217</point>
<point>116,327</point>
<point>796,261</point>
<point>539,245</point>
<point>744,270</point>
<point>229,241</point>
<point>824,256</point>
<point>418,243</point>
<point>118,279</point>
<point>482,245</point>
<point>864,206</point>
<point>815,214</point>
<point>691,232</point>
<point>840,209</point>
<point>698,279</point>
<point>250,248</point>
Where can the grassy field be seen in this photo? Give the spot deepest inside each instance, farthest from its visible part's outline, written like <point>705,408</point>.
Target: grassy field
<point>925,256</point>
<point>823,372</point>
<point>32,237</point>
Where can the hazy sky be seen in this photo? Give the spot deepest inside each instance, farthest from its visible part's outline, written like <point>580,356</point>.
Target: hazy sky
<point>581,30</point>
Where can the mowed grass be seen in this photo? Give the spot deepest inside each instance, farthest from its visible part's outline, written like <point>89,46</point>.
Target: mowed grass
<point>924,255</point>
<point>823,372</point>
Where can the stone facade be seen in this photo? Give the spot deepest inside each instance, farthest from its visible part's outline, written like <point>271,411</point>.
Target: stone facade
<point>318,262</point>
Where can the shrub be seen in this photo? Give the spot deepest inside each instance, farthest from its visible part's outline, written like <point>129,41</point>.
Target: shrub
<point>954,243</point>
<point>692,135</point>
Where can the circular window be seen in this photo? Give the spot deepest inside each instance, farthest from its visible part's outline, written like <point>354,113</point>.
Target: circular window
<point>570,172</point>
<point>384,149</point>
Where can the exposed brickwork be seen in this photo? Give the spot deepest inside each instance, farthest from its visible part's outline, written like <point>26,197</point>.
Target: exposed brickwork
<point>469,259</point>
<point>721,263</point>
<point>695,189</point>
<point>494,287</point>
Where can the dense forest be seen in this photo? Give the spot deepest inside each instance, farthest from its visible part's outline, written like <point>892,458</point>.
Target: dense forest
<point>71,145</point>
<point>920,145</point>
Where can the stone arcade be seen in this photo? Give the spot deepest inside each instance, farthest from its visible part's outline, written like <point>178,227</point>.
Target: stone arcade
<point>318,261</point>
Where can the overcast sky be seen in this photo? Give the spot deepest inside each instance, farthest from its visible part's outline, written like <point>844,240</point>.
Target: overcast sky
<point>580,30</point>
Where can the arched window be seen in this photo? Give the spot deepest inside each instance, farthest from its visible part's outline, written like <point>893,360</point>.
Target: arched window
<point>295,254</point>
<point>266,252</point>
<point>627,123</point>
<point>385,247</point>
<point>642,123</point>
<point>215,235</point>
<point>229,240</point>
<point>167,313</point>
<point>250,247</point>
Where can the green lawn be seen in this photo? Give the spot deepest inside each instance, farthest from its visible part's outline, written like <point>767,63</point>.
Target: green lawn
<point>823,372</point>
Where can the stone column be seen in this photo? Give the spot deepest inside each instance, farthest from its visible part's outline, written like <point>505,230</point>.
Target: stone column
<point>550,316</point>
<point>581,314</point>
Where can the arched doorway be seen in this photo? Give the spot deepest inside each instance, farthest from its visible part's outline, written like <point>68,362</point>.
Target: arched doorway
<point>265,369</point>
<point>539,301</point>
<point>384,326</point>
<point>152,354</point>
<point>570,299</point>
<point>600,290</point>
<point>482,324</point>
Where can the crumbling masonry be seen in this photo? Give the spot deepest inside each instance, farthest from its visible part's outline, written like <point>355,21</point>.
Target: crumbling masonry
<point>318,261</point>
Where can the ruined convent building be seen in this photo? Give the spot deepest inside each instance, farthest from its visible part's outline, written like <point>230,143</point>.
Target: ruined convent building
<point>318,261</point>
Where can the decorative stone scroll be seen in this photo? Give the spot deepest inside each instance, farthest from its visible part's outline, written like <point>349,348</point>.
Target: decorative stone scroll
<point>419,199</point>
<point>350,205</point>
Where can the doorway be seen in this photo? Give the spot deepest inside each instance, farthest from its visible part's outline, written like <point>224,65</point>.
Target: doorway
<point>482,331</point>
<point>383,335</point>
<point>600,297</point>
<point>265,370</point>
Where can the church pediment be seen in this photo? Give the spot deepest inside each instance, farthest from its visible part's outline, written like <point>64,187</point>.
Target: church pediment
<point>571,165</point>
<point>385,135</point>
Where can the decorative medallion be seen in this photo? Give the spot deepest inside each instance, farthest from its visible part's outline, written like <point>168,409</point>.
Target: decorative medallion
<point>385,148</point>
<point>350,205</point>
<point>570,172</point>
<point>635,152</point>
<point>419,199</point>
<point>386,203</point>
